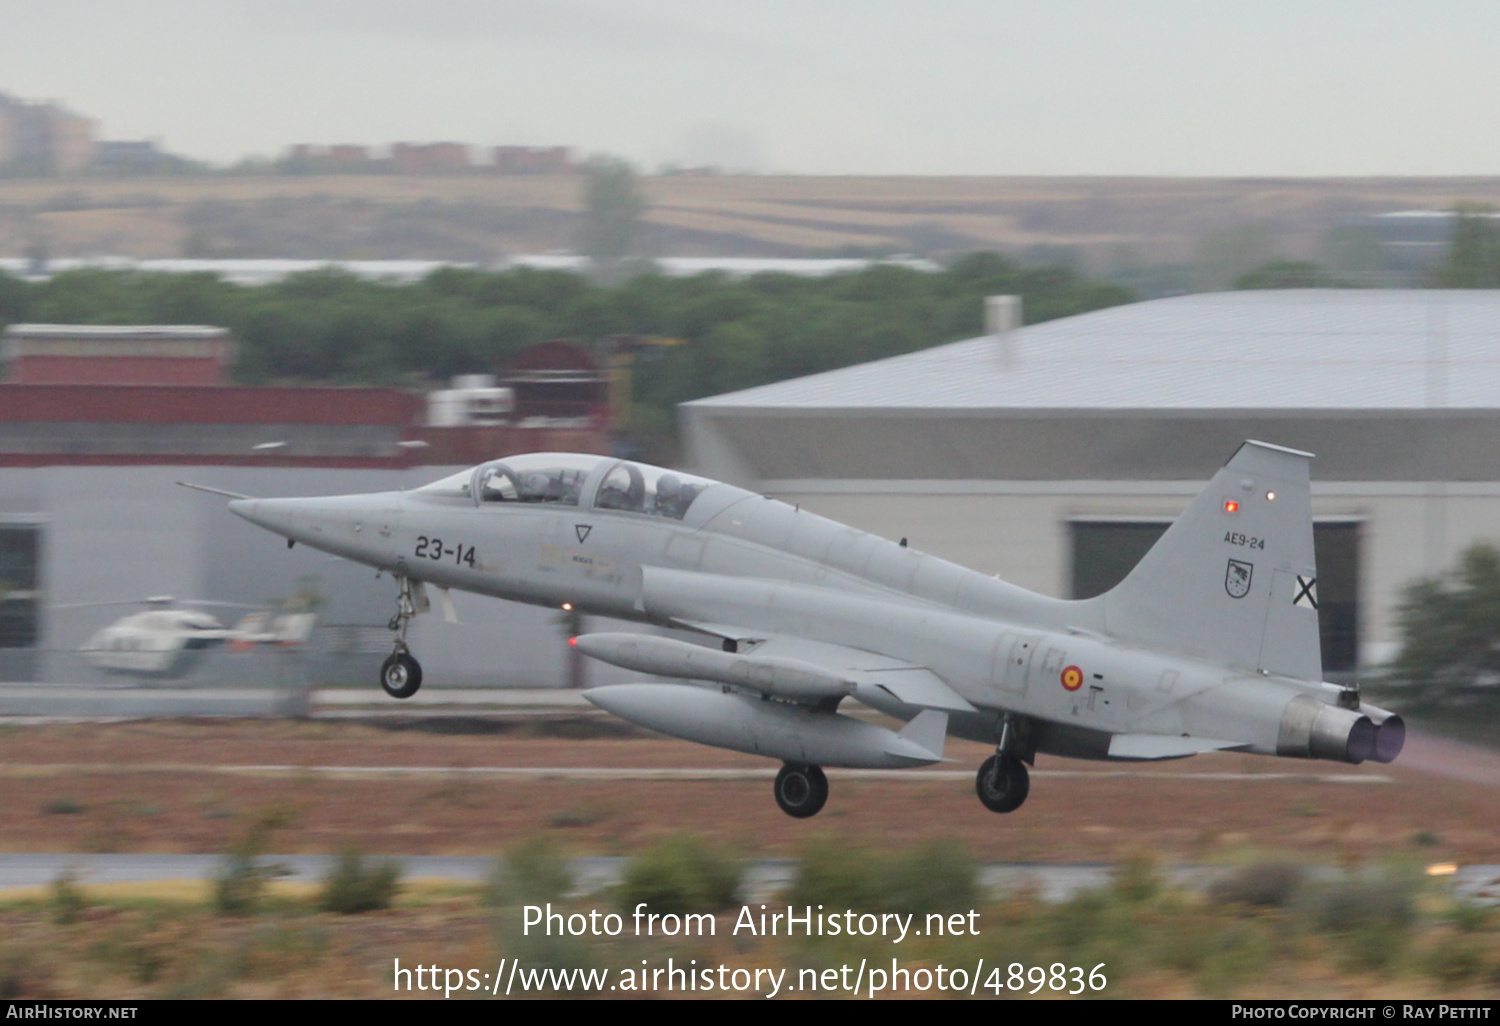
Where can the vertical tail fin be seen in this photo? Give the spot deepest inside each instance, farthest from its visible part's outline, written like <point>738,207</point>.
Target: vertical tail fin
<point>1234,579</point>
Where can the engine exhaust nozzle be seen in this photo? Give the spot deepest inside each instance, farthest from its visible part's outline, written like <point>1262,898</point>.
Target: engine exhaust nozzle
<point>1390,733</point>
<point>1315,730</point>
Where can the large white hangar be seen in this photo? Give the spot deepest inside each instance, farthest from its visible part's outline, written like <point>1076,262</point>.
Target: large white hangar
<point>1054,454</point>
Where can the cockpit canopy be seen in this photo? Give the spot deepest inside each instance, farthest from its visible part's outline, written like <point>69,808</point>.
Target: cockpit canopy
<point>566,479</point>
<point>452,487</point>
<point>540,477</point>
<point>640,488</point>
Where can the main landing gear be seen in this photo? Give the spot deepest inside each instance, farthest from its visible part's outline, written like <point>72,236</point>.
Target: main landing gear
<point>401,675</point>
<point>1002,781</point>
<point>801,789</point>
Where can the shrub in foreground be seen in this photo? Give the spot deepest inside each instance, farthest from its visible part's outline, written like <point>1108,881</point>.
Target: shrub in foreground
<point>357,886</point>
<point>682,873</point>
<point>533,871</point>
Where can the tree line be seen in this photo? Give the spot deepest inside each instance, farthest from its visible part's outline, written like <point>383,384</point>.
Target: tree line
<point>1471,262</point>
<point>329,327</point>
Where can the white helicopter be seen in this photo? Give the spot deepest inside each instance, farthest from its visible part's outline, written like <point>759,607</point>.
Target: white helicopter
<point>167,641</point>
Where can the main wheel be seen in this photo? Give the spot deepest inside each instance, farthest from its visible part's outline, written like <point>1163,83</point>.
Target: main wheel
<point>1002,784</point>
<point>401,675</point>
<point>801,790</point>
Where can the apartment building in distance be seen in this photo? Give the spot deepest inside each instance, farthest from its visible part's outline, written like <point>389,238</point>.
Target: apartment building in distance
<point>43,138</point>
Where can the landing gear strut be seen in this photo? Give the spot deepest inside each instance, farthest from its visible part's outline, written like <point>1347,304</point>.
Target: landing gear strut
<point>801,789</point>
<point>401,675</point>
<point>1002,782</point>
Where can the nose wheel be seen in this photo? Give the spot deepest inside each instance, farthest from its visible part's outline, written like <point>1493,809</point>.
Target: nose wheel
<point>401,674</point>
<point>801,790</point>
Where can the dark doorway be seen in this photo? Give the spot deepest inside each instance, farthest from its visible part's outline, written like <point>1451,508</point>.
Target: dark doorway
<point>19,556</point>
<point>20,600</point>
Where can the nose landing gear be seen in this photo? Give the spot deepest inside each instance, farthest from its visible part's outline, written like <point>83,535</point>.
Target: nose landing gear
<point>401,674</point>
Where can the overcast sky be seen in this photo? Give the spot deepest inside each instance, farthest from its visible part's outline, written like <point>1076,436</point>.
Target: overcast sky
<point>1155,87</point>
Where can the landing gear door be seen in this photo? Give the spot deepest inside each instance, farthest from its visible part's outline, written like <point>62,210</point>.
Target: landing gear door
<point>1011,662</point>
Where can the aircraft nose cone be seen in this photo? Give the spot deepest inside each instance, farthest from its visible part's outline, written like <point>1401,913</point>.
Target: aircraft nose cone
<point>277,515</point>
<point>244,508</point>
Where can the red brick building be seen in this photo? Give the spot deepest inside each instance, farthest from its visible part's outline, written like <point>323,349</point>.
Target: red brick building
<point>430,158</point>
<point>88,354</point>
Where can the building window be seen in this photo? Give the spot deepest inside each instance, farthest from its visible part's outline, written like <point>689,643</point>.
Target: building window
<point>20,595</point>
<point>1105,551</point>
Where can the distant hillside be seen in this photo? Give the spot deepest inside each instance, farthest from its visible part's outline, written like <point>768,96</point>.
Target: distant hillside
<point>1105,224</point>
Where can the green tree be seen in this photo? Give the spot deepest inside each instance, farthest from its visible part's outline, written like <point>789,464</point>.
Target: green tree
<point>613,205</point>
<point>1450,629</point>
<point>1286,274</point>
<point>1357,255</point>
<point>330,326</point>
<point>15,299</point>
<point>1474,250</point>
<point>1222,256</point>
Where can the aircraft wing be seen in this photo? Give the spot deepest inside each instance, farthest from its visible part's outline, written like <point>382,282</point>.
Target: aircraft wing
<point>867,671</point>
<point>727,632</point>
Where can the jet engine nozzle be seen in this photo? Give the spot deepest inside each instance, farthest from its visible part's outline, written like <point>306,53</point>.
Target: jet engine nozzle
<point>1390,733</point>
<point>1311,729</point>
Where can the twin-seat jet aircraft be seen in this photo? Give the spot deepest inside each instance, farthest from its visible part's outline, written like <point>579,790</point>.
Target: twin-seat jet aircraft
<point>1210,644</point>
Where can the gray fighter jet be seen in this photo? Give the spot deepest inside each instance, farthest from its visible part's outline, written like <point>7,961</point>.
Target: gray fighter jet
<point>1211,642</point>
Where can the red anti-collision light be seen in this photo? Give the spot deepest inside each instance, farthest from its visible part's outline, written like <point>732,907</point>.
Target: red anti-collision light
<point>573,641</point>
<point>1230,506</point>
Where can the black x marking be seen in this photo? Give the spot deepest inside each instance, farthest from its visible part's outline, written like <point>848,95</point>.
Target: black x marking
<point>1305,587</point>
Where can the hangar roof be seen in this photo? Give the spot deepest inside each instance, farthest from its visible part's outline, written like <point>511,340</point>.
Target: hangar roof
<point>1365,349</point>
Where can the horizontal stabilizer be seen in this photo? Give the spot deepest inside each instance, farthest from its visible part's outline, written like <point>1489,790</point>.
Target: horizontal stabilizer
<point>1165,746</point>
